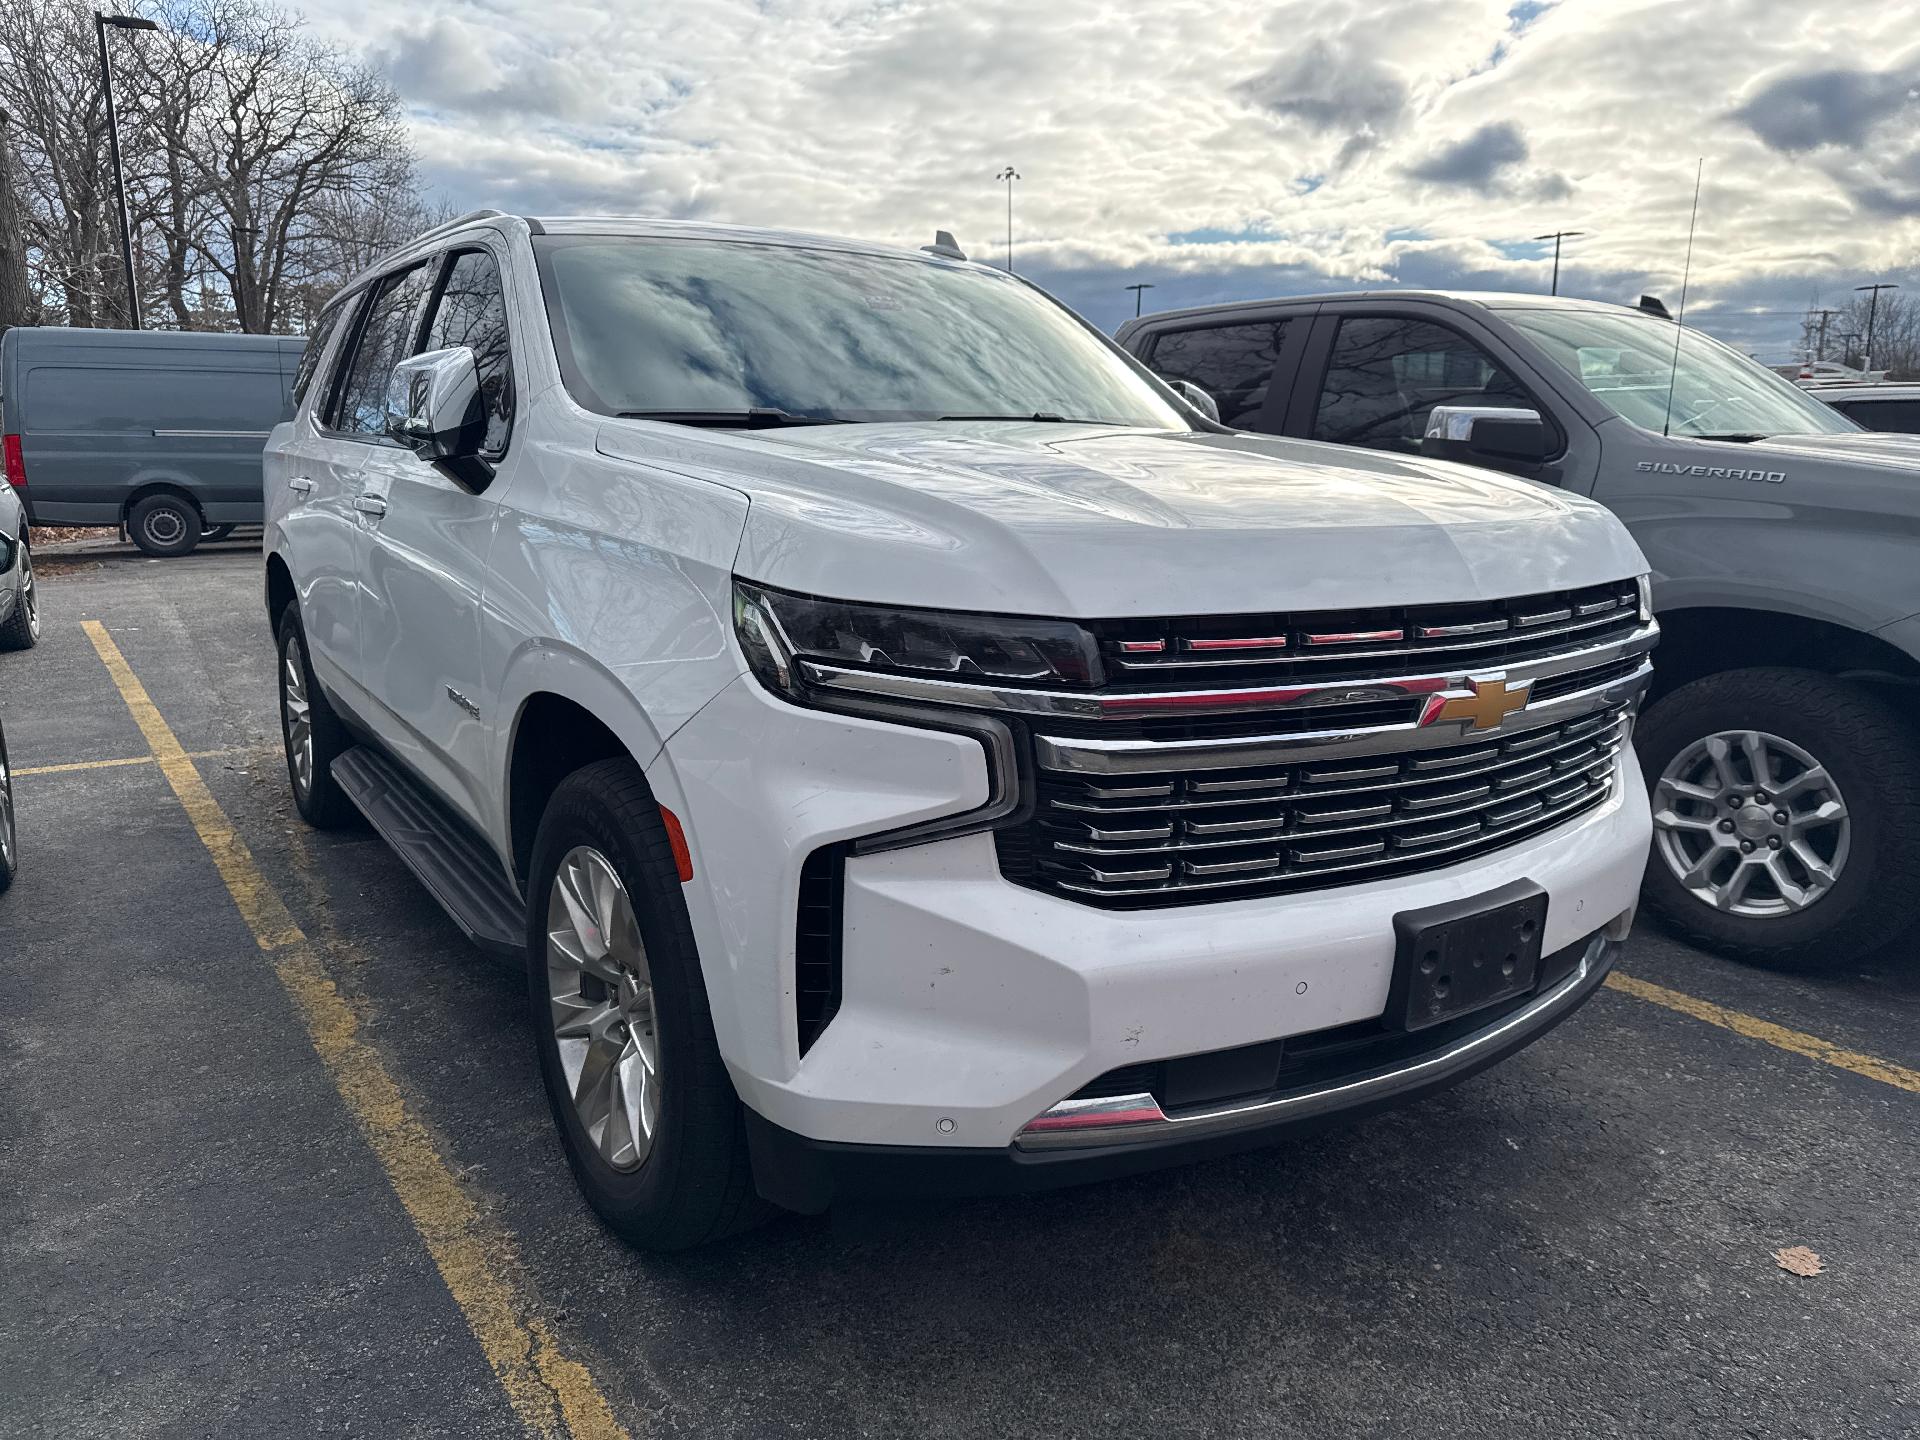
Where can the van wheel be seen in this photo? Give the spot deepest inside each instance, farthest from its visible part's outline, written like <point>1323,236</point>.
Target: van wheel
<point>22,628</point>
<point>9,840</point>
<point>649,1119</point>
<point>1786,813</point>
<point>217,532</point>
<point>311,733</point>
<point>165,525</point>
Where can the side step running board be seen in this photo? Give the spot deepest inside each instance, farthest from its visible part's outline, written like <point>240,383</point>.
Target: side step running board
<point>442,852</point>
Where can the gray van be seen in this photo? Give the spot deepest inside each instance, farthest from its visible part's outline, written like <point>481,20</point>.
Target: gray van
<point>1781,741</point>
<point>157,430</point>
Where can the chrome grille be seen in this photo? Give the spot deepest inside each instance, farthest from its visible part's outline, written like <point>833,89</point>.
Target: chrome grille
<point>1252,648</point>
<point>1172,836</point>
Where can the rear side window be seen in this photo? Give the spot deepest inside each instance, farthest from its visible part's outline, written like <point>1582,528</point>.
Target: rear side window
<point>103,400</point>
<point>471,310</point>
<point>1232,363</point>
<point>1901,417</point>
<point>386,338</point>
<point>1387,373</point>
<point>316,347</point>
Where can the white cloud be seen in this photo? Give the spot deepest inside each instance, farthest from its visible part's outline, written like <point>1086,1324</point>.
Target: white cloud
<point>1215,147</point>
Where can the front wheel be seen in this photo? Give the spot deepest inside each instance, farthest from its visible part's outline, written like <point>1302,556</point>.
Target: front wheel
<point>1786,811</point>
<point>9,839</point>
<point>646,1112</point>
<point>165,525</point>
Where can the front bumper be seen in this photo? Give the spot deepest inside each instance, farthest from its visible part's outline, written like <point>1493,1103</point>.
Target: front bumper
<point>808,1175</point>
<point>969,1005</point>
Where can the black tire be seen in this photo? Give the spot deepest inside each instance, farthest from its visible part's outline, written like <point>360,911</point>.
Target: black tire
<point>21,630</point>
<point>1872,754</point>
<point>9,837</point>
<point>695,1185</point>
<point>217,532</point>
<point>320,801</point>
<point>165,524</point>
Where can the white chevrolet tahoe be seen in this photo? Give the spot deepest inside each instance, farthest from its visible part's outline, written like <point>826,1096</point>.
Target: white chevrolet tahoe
<point>909,749</point>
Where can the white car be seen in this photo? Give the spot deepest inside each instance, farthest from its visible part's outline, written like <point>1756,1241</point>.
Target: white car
<point>908,748</point>
<point>19,596</point>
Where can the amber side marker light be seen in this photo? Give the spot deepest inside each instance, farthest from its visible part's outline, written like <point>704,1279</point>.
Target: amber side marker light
<point>677,838</point>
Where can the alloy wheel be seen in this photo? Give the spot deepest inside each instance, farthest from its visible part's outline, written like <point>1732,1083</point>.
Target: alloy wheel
<point>6,814</point>
<point>29,593</point>
<point>1751,824</point>
<point>600,1001</point>
<point>297,715</point>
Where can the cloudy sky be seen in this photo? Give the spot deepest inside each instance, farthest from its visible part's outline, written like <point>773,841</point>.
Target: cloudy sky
<point>1216,148</point>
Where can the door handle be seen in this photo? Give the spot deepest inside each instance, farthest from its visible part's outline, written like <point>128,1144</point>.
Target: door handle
<point>373,505</point>
<point>300,485</point>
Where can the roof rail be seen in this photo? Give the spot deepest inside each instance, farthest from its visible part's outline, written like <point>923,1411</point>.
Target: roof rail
<point>457,222</point>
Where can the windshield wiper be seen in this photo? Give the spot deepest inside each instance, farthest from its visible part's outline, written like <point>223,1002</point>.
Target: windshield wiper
<point>1743,437</point>
<point>751,419</point>
<point>1044,416</point>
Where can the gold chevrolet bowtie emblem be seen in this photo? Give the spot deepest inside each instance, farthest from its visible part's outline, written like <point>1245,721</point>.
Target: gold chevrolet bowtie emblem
<point>1482,708</point>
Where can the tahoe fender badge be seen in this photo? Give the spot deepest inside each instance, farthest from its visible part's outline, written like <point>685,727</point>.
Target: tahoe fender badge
<point>464,703</point>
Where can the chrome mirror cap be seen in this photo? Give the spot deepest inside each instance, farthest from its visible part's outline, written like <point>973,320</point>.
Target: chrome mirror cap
<point>1196,397</point>
<point>1456,422</point>
<point>434,404</point>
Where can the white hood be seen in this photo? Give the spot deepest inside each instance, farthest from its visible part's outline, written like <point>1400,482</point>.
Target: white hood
<point>1094,522</point>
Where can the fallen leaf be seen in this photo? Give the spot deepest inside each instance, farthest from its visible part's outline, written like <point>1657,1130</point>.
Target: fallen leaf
<point>1799,1260</point>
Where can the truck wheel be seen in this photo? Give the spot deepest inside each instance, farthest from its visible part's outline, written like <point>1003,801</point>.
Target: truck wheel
<point>9,841</point>
<point>311,733</point>
<point>165,525</point>
<point>1786,813</point>
<point>651,1125</point>
<point>22,630</point>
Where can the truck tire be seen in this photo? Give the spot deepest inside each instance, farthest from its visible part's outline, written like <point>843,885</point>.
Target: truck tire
<point>310,733</point>
<point>165,524</point>
<point>9,837</point>
<point>22,628</point>
<point>656,1139</point>
<point>1828,837</point>
<point>216,533</point>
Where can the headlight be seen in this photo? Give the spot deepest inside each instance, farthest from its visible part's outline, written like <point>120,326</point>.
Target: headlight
<point>781,633</point>
<point>1645,582</point>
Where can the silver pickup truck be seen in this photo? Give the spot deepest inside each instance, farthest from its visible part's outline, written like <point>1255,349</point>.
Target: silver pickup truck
<point>1782,745</point>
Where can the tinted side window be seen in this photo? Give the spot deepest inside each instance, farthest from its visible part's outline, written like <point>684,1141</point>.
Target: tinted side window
<point>316,347</point>
<point>1900,417</point>
<point>386,338</point>
<point>1232,363</point>
<point>1387,373</point>
<point>472,311</point>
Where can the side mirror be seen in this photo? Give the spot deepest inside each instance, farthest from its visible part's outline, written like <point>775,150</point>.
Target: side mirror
<point>1487,434</point>
<point>1194,396</point>
<point>434,406</point>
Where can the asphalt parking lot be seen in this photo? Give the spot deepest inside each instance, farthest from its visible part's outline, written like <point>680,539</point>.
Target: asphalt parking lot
<point>274,1160</point>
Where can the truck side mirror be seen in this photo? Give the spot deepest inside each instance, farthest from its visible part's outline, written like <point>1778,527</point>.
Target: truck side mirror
<point>434,406</point>
<point>1194,396</point>
<point>1487,435</point>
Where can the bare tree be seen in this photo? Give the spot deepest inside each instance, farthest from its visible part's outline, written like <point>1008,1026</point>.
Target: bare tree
<point>17,303</point>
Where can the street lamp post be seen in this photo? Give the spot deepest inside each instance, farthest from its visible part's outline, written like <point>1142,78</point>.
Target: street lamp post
<point>1137,290</point>
<point>100,24</point>
<point>1556,237</point>
<point>1873,307</point>
<point>1009,175</point>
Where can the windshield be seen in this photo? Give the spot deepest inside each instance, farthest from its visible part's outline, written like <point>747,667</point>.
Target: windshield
<point>693,328</point>
<point>1627,360</point>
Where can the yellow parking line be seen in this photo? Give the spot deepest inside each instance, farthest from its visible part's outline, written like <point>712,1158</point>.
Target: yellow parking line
<point>76,765</point>
<point>552,1393</point>
<point>1795,1041</point>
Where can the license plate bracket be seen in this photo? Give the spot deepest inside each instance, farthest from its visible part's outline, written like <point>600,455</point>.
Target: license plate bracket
<point>1452,959</point>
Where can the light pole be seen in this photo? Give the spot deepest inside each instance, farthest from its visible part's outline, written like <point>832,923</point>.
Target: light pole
<point>1873,307</point>
<point>1556,237</point>
<point>1137,289</point>
<point>100,24</point>
<point>1009,175</point>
